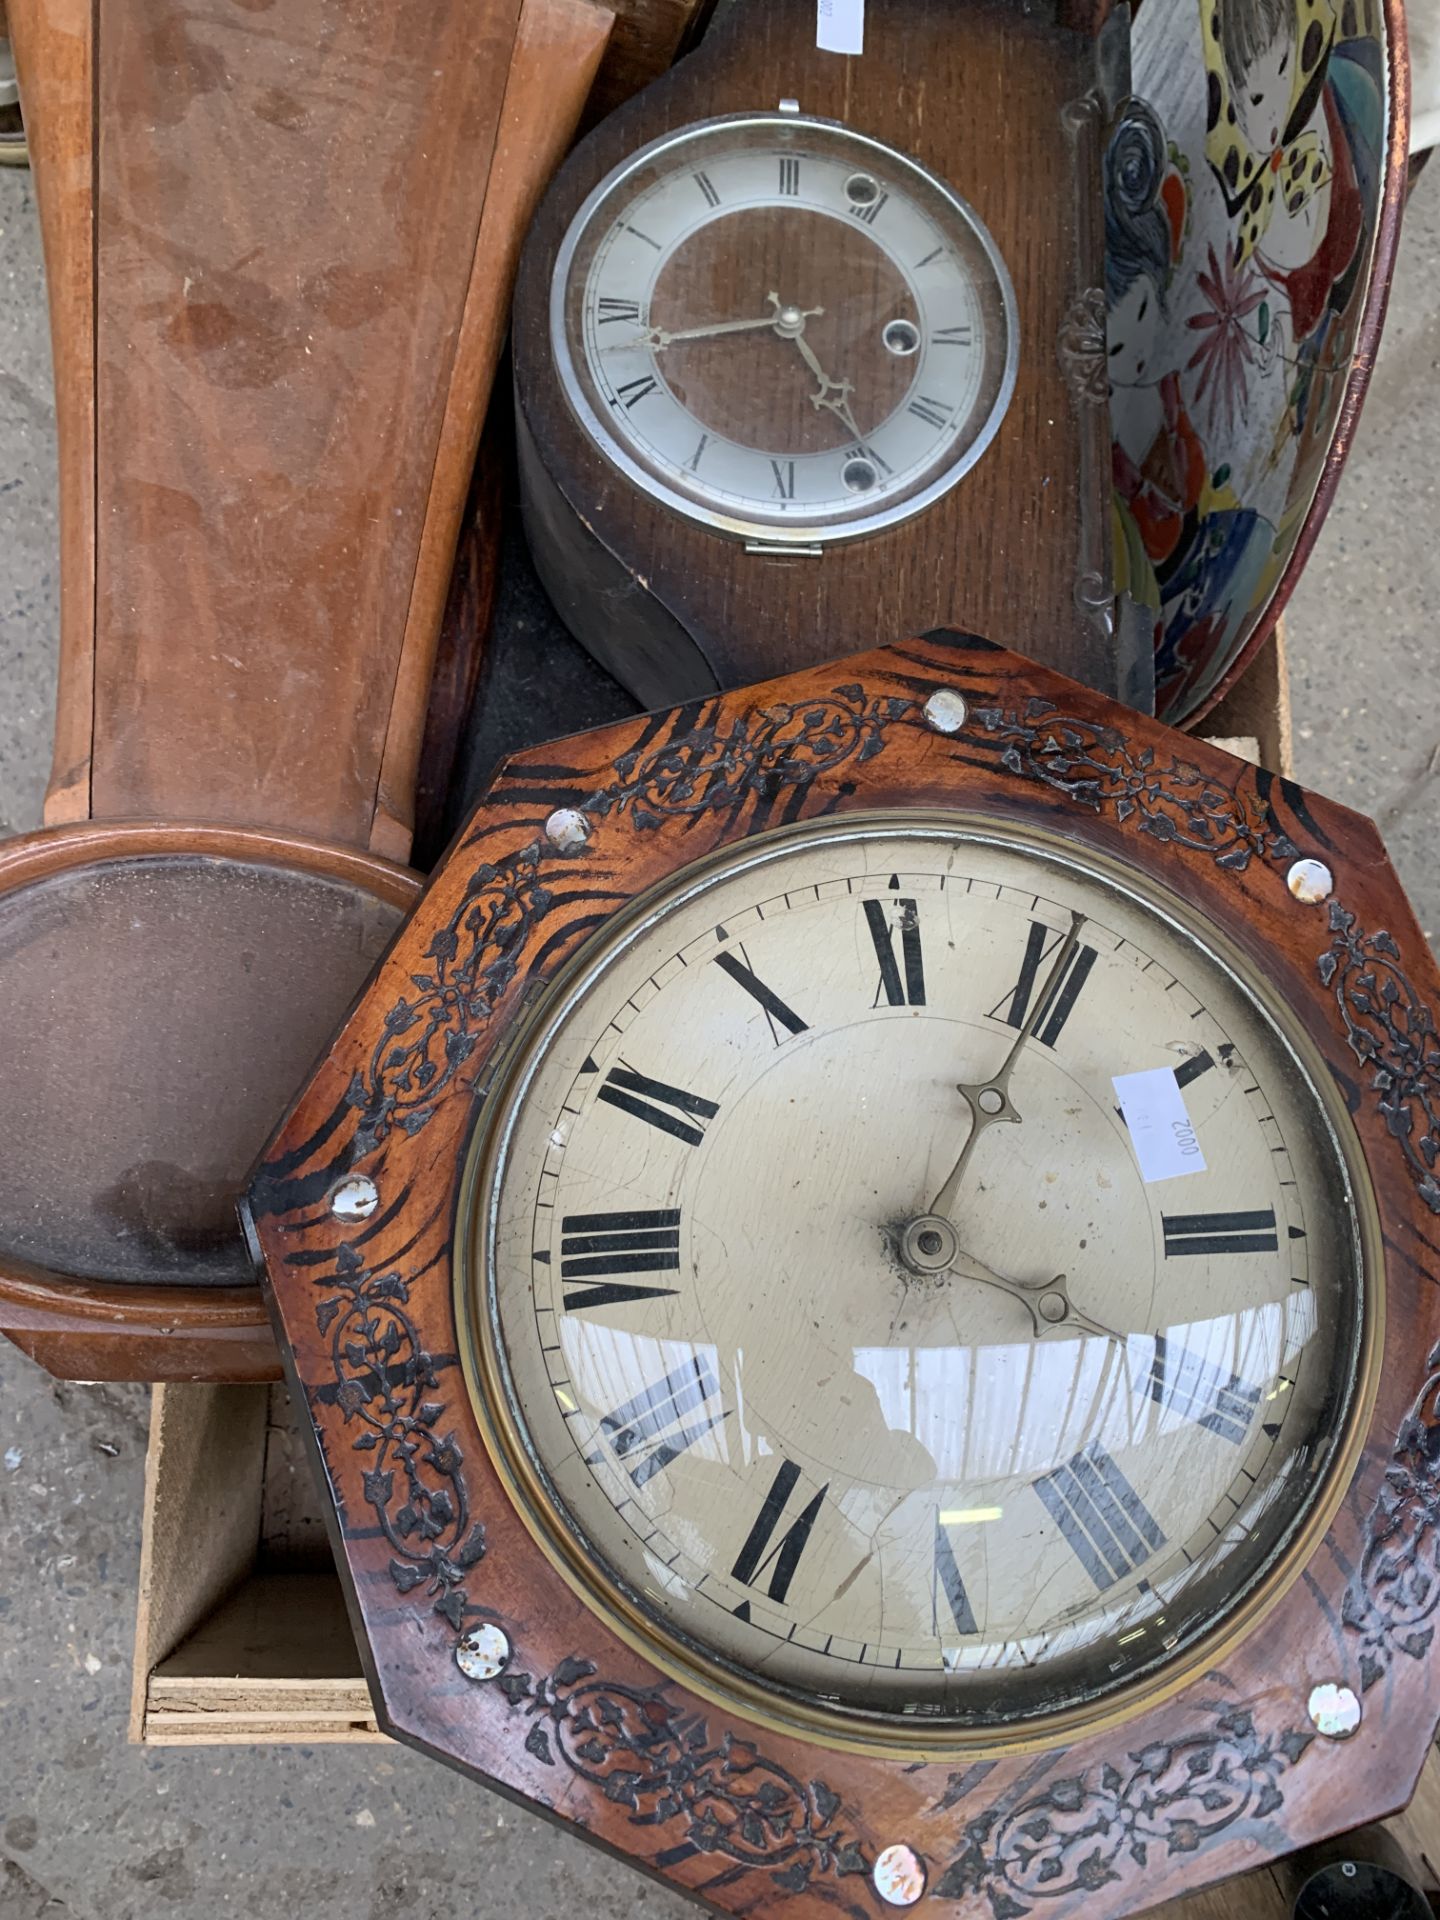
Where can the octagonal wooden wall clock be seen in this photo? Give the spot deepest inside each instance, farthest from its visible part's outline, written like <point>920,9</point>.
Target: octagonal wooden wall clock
<point>864,1277</point>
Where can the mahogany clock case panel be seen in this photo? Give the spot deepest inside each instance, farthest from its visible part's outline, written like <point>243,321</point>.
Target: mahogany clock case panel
<point>812,346</point>
<point>493,1645</point>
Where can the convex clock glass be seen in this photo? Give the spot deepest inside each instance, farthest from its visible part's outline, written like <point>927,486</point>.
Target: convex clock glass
<point>824,1318</point>
<point>783,328</point>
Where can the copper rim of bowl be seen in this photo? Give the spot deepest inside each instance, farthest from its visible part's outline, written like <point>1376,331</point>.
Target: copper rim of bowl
<point>1367,340</point>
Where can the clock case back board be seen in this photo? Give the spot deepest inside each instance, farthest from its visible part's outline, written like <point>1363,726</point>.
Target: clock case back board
<point>1009,106</point>
<point>1194,1784</point>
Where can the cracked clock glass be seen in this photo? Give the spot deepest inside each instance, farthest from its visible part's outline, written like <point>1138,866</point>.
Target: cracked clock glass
<point>784,329</point>
<point>824,1316</point>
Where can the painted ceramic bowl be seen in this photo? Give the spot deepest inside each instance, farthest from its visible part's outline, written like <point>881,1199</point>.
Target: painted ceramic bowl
<point>1253,193</point>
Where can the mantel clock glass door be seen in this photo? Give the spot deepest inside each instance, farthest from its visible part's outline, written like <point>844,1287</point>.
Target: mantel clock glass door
<point>784,329</point>
<point>840,1331</point>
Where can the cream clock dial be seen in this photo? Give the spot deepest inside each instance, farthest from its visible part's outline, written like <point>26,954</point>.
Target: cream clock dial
<point>842,1331</point>
<point>784,329</point>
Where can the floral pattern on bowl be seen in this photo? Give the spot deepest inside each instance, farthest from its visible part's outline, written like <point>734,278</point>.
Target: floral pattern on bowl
<point>1243,194</point>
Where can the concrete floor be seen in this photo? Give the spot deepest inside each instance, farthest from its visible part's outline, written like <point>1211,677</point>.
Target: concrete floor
<point>90,1826</point>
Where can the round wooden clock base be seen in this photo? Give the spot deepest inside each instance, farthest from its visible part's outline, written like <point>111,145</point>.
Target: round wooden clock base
<point>193,972</point>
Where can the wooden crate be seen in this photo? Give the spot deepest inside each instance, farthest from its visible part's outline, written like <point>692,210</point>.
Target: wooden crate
<point>241,1634</point>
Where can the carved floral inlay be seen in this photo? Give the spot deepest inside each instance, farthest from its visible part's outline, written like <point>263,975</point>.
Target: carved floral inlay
<point>720,764</point>
<point>1159,792</point>
<point>660,1762</point>
<point>1394,1593</point>
<point>1392,1032</point>
<point>1083,1831</point>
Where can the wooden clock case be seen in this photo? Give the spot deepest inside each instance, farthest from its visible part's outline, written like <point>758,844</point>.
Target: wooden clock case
<point>1009,104</point>
<point>279,257</point>
<point>480,1652</point>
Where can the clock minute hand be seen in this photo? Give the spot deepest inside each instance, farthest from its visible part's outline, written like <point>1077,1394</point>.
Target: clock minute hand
<point>658,338</point>
<point>989,1100</point>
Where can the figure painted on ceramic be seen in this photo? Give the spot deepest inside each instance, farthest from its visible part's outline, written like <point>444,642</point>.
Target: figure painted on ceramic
<point>1180,532</point>
<point>1294,108</point>
<point>1242,192</point>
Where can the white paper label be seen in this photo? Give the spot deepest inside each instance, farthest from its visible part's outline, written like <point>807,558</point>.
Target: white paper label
<point>840,26</point>
<point>1154,1110</point>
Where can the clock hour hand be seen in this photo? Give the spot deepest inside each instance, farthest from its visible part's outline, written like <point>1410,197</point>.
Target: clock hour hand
<point>989,1100</point>
<point>834,394</point>
<point>931,1245</point>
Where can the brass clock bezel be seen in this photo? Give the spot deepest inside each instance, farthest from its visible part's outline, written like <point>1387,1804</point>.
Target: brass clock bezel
<point>797,532</point>
<point>561,1540</point>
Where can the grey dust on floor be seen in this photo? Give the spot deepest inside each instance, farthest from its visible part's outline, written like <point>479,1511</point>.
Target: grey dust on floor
<point>91,1827</point>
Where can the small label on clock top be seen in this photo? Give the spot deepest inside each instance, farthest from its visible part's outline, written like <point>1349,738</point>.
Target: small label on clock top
<point>840,26</point>
<point>1154,1110</point>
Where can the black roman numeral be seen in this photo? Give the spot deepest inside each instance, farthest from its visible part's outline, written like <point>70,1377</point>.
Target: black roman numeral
<point>1181,1382</point>
<point>953,337</point>
<point>634,391</point>
<point>1220,1232</point>
<point>945,1579</point>
<point>692,465</point>
<point>1060,1004</point>
<point>789,176</point>
<point>595,1244</point>
<point>909,990</point>
<point>656,1104</point>
<point>642,236</point>
<point>775,1008</point>
<point>779,1561</point>
<point>1192,1068</point>
<point>657,1426</point>
<point>784,472</point>
<point>934,413</point>
<point>609,310</point>
<point>1104,1521</point>
<point>707,187</point>
<point>862,452</point>
<point>871,213</point>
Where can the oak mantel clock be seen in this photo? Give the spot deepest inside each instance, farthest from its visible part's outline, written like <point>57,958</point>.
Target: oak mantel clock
<point>864,1277</point>
<point>808,347</point>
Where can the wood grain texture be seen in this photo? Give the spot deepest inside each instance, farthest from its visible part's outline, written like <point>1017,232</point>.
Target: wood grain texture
<point>54,48</point>
<point>980,102</point>
<point>272,371</point>
<point>1215,1779</point>
<point>649,36</point>
<point>200,1520</point>
<point>557,51</point>
<point>465,634</point>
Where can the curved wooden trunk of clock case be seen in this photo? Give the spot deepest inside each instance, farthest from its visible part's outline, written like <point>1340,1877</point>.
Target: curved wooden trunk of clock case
<point>279,257</point>
<point>1155,1797</point>
<point>1006,106</point>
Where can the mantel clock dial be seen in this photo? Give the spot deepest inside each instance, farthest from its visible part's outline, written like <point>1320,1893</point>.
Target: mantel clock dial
<point>784,330</point>
<point>789,370</point>
<point>858,1231</point>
